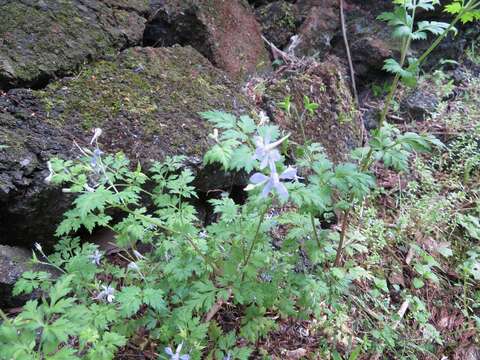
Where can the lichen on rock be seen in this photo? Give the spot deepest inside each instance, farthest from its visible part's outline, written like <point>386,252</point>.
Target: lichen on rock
<point>47,38</point>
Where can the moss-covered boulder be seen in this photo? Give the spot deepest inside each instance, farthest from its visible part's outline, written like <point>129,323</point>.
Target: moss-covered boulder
<point>335,125</point>
<point>279,21</point>
<point>147,103</point>
<point>40,39</point>
<point>226,32</point>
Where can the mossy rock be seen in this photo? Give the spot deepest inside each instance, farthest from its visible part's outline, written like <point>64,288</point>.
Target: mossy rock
<point>226,32</point>
<point>146,101</point>
<point>336,124</point>
<point>46,38</point>
<point>279,21</point>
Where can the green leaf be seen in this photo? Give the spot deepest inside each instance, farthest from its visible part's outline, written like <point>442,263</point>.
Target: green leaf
<point>247,125</point>
<point>154,299</point>
<point>220,119</point>
<point>90,201</point>
<point>130,299</point>
<point>418,283</point>
<point>221,153</point>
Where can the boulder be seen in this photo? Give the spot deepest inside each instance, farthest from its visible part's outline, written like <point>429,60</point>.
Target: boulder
<point>320,22</point>
<point>41,39</point>
<point>146,101</point>
<point>279,22</point>
<point>14,261</point>
<point>226,32</point>
<point>370,43</point>
<point>419,104</point>
<point>335,125</point>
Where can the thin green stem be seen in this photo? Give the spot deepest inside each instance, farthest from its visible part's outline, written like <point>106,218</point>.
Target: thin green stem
<point>343,235</point>
<point>4,317</point>
<point>471,5</point>
<point>254,241</point>
<point>315,233</point>
<point>163,227</point>
<point>393,88</point>
<point>347,49</point>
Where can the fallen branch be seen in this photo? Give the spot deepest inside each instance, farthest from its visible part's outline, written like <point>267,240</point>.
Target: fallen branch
<point>279,53</point>
<point>347,48</point>
<point>217,306</point>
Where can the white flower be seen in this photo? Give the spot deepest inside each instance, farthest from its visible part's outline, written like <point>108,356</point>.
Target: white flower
<point>96,257</point>
<point>38,246</point>
<point>214,135</point>
<point>89,188</point>
<point>107,294</point>
<point>264,119</point>
<point>273,181</point>
<point>266,152</point>
<point>138,255</point>
<point>133,266</point>
<point>176,355</point>
<point>49,178</point>
<point>97,132</point>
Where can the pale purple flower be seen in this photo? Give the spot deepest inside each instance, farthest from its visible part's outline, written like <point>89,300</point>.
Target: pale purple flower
<point>176,355</point>
<point>273,181</point>
<point>97,155</point>
<point>266,152</point>
<point>51,173</point>
<point>97,132</point>
<point>203,234</point>
<point>107,294</point>
<point>138,255</point>
<point>228,357</point>
<point>133,266</point>
<point>96,257</point>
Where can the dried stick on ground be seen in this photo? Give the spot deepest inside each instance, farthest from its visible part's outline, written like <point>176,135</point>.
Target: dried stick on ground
<point>347,48</point>
<point>217,306</point>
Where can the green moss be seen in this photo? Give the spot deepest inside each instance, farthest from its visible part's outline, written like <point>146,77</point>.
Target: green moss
<point>158,90</point>
<point>334,125</point>
<point>40,42</point>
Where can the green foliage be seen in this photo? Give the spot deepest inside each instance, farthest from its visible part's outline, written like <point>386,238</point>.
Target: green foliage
<point>193,270</point>
<point>467,10</point>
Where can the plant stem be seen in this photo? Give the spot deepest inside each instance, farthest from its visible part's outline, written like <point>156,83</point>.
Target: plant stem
<point>163,227</point>
<point>343,235</point>
<point>471,5</point>
<point>254,241</point>
<point>393,88</point>
<point>315,233</point>
<point>4,317</point>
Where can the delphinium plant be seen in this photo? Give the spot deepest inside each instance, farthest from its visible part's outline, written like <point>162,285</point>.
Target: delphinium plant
<point>407,29</point>
<point>175,292</point>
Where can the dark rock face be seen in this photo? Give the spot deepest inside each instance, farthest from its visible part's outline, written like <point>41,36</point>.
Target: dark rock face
<point>335,125</point>
<point>226,32</point>
<point>320,22</point>
<point>47,38</point>
<point>146,101</point>
<point>419,105</point>
<point>279,22</point>
<point>27,205</point>
<point>14,261</point>
<point>370,43</point>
